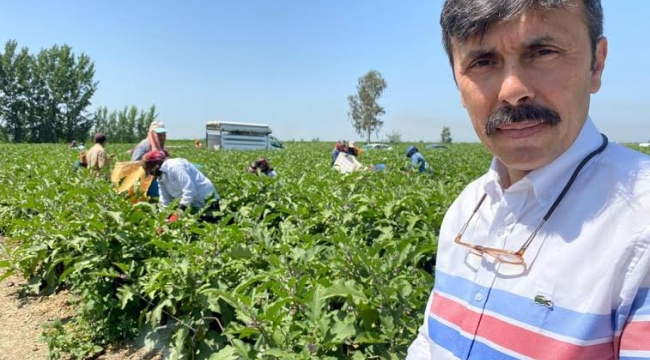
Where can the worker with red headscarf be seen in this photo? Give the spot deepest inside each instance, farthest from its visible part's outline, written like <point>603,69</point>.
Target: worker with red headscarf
<point>180,179</point>
<point>261,165</point>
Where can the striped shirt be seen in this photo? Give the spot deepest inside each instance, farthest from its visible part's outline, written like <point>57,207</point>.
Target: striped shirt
<point>585,292</point>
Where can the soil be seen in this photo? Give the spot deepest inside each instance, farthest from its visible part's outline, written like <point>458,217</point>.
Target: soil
<point>22,320</point>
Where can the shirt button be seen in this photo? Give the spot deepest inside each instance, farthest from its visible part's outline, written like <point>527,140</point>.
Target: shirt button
<point>478,297</point>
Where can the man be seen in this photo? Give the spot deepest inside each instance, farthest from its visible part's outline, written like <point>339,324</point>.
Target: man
<point>179,179</point>
<point>155,140</point>
<point>97,161</point>
<point>417,160</point>
<point>546,256</point>
<point>262,165</point>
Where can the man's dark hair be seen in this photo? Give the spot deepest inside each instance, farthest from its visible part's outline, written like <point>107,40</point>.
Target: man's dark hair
<point>100,138</point>
<point>463,19</point>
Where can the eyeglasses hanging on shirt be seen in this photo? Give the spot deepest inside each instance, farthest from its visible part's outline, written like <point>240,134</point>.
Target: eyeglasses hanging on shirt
<point>517,257</point>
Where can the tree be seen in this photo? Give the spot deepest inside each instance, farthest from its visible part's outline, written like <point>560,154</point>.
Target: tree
<point>364,110</point>
<point>393,137</point>
<point>445,136</point>
<point>15,91</point>
<point>44,97</point>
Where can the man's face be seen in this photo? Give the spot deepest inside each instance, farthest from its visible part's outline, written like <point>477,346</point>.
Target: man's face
<point>162,137</point>
<point>151,169</point>
<point>541,60</point>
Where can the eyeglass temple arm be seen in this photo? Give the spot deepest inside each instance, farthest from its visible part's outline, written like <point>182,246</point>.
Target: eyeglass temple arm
<point>530,238</point>
<point>462,230</point>
<point>573,177</point>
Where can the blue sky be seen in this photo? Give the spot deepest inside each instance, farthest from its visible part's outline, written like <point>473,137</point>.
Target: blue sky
<point>292,64</point>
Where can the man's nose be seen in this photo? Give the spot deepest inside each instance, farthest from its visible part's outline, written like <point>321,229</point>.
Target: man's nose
<point>515,89</point>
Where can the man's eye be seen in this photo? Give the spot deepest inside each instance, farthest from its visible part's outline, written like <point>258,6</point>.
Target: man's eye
<point>481,63</point>
<point>544,52</point>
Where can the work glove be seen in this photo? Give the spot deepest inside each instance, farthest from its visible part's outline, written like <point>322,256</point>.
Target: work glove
<point>172,218</point>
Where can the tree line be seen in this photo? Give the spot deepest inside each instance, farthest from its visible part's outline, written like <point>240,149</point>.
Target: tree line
<point>128,125</point>
<point>45,98</point>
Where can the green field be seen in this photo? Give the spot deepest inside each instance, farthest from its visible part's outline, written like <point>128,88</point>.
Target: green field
<point>311,264</point>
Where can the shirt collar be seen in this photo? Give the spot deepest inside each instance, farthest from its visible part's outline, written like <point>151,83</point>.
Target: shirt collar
<point>547,181</point>
<point>164,167</point>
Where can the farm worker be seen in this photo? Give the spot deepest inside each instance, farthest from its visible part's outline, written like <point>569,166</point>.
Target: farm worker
<point>341,146</point>
<point>261,165</point>
<point>81,157</point>
<point>547,255</point>
<point>353,150</point>
<point>179,179</point>
<point>417,160</point>
<point>155,140</point>
<point>197,143</point>
<point>96,158</point>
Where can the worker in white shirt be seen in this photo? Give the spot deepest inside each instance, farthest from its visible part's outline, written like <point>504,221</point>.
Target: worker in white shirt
<point>547,255</point>
<point>179,179</point>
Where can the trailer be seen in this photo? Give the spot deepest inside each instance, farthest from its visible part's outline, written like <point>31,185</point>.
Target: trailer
<point>239,136</point>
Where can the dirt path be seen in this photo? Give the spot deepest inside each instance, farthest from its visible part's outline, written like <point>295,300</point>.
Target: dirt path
<point>22,320</point>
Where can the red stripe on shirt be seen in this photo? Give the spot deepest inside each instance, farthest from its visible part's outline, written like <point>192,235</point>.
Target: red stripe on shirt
<point>636,336</point>
<point>513,337</point>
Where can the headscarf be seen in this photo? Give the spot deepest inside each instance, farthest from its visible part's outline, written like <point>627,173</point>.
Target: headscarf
<point>154,157</point>
<point>262,164</point>
<point>411,150</point>
<point>154,141</point>
<point>341,145</point>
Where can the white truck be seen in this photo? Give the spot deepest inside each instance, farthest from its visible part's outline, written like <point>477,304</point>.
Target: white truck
<point>239,136</point>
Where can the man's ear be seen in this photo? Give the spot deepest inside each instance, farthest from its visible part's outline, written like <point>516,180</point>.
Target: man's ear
<point>599,64</point>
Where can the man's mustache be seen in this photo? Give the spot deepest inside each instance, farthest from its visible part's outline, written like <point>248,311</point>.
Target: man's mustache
<point>519,113</point>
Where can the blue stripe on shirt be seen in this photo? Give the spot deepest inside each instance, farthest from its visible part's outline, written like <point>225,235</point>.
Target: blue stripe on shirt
<point>443,334</point>
<point>641,303</point>
<point>581,326</point>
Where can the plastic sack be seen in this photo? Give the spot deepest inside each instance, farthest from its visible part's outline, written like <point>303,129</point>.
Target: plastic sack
<point>346,163</point>
<point>128,176</point>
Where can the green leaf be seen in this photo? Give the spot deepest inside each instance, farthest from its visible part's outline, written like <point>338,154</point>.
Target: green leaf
<point>344,289</point>
<point>227,353</point>
<point>163,245</point>
<point>342,330</point>
<point>280,354</point>
<point>124,294</point>
<point>241,252</point>
<point>156,314</point>
<point>180,335</point>
<point>368,338</point>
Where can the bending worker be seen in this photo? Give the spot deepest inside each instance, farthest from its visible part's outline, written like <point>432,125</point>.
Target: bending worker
<point>179,179</point>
